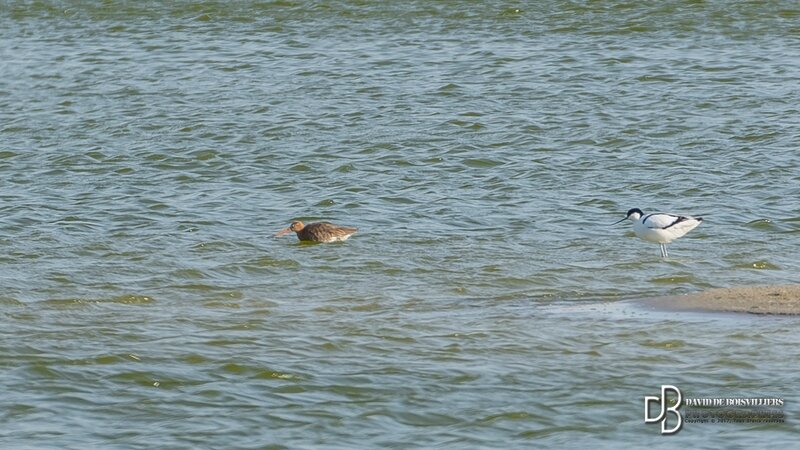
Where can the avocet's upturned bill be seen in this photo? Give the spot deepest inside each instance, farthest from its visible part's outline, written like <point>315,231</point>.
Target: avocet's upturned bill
<point>659,227</point>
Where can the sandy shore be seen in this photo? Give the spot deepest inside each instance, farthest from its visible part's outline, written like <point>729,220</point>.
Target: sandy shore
<point>751,299</point>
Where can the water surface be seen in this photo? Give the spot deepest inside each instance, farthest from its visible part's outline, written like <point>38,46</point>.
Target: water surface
<point>149,151</point>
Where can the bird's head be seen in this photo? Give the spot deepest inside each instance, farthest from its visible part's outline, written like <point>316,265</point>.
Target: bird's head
<point>296,226</point>
<point>633,215</point>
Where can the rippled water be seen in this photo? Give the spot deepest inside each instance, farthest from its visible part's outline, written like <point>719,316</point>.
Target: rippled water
<point>149,151</point>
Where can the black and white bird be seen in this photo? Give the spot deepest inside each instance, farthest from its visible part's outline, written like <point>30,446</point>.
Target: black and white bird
<point>659,227</point>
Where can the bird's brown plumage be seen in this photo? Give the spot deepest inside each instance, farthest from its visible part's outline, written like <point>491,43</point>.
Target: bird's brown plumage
<point>318,231</point>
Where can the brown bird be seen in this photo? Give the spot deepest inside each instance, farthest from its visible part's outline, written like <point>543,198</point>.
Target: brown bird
<point>318,232</point>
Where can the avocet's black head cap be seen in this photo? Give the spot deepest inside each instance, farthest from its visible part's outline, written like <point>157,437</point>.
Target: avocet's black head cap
<point>632,211</point>
<point>628,216</point>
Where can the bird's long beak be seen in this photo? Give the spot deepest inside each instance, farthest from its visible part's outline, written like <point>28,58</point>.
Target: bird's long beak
<point>282,232</point>
<point>621,220</point>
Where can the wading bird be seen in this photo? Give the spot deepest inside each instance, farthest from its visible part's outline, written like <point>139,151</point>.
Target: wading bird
<point>318,232</point>
<point>659,227</point>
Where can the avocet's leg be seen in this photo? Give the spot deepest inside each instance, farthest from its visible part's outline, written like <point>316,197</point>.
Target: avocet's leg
<point>666,253</point>
<point>663,250</point>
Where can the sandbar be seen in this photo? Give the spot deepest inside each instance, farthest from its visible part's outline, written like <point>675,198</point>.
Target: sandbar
<point>777,299</point>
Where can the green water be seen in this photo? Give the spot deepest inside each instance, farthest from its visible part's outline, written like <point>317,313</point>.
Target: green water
<point>149,150</point>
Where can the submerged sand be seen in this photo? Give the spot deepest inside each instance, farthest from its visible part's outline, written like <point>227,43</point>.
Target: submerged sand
<point>784,299</point>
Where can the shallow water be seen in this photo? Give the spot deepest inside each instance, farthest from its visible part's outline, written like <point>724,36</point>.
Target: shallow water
<point>148,152</point>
